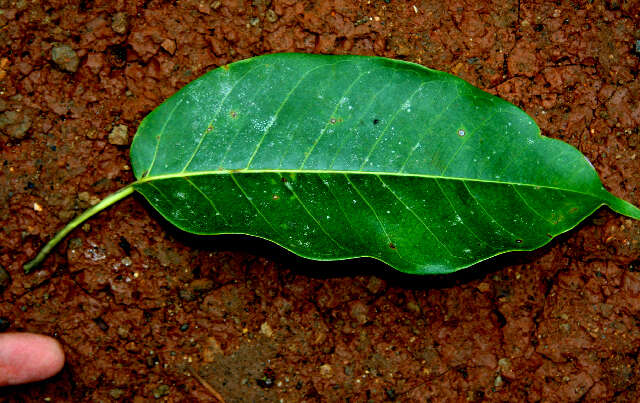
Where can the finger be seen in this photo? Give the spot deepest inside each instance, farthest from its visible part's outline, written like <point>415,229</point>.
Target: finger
<point>28,357</point>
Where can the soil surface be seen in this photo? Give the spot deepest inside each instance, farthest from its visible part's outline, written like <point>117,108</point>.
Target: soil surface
<point>140,307</point>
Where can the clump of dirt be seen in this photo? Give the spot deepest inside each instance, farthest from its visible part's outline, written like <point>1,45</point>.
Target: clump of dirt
<point>139,306</point>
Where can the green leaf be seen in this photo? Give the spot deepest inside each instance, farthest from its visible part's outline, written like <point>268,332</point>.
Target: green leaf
<point>336,157</point>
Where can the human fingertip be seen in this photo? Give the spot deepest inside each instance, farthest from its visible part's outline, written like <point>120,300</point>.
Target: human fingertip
<point>28,357</point>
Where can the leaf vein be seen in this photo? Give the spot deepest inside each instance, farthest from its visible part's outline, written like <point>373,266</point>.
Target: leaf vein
<point>197,188</point>
<point>418,218</point>
<point>206,132</point>
<point>469,135</point>
<point>529,206</point>
<point>323,131</point>
<point>162,130</point>
<point>485,210</point>
<point>456,213</point>
<point>375,214</point>
<point>277,113</point>
<point>304,207</point>
<point>395,114</point>
<point>253,204</point>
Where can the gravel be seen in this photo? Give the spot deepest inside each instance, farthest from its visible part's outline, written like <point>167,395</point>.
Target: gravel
<point>65,58</point>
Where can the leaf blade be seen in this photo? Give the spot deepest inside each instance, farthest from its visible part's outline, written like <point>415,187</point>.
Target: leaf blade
<point>430,163</point>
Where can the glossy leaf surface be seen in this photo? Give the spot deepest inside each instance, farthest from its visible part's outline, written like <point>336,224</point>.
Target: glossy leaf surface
<point>336,157</point>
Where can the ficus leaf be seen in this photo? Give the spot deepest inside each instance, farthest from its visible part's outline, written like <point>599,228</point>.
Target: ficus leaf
<point>336,157</point>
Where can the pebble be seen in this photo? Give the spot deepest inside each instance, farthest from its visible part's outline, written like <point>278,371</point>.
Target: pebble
<point>271,16</point>
<point>169,45</point>
<point>266,329</point>
<point>161,391</point>
<point>201,285</point>
<point>116,393</point>
<point>5,279</point>
<point>65,58</point>
<point>326,370</point>
<point>15,124</point>
<point>119,136</point>
<point>119,23</point>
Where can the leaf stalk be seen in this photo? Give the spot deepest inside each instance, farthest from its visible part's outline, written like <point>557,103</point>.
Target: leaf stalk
<point>106,202</point>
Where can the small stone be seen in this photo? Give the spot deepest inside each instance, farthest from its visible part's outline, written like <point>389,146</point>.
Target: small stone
<point>216,5</point>
<point>212,350</point>
<point>123,333</point>
<point>161,391</point>
<point>326,370</point>
<point>5,279</point>
<point>254,21</point>
<point>119,136</point>
<point>204,8</point>
<point>271,16</point>
<point>116,393</point>
<point>483,287</point>
<point>375,285</point>
<point>132,347</point>
<point>638,47</point>
<point>201,285</point>
<point>169,45</point>
<point>65,58</point>
<point>413,307</point>
<point>15,124</point>
<point>186,295</point>
<point>184,327</point>
<point>126,261</point>
<point>266,329</point>
<point>84,196</point>
<point>119,23</point>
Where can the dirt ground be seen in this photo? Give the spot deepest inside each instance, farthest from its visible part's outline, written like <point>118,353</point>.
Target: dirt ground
<point>139,307</point>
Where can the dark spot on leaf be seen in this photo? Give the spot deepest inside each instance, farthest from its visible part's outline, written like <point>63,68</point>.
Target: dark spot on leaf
<point>283,179</point>
<point>276,197</point>
<point>518,240</point>
<point>392,246</point>
<point>549,235</point>
<point>333,120</point>
<point>376,121</point>
<point>209,128</point>
<point>573,210</point>
<point>234,114</point>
